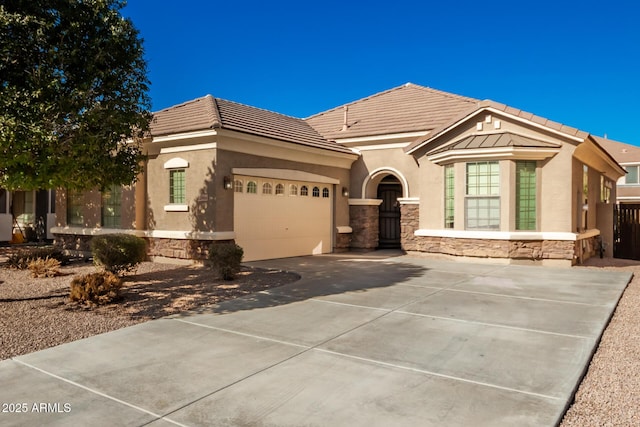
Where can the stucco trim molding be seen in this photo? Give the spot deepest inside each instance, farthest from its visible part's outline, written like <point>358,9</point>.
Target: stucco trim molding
<point>506,235</point>
<point>409,200</point>
<point>344,229</point>
<point>513,153</point>
<point>176,208</point>
<point>285,174</point>
<point>365,202</point>
<point>82,231</point>
<point>387,170</point>
<point>157,234</point>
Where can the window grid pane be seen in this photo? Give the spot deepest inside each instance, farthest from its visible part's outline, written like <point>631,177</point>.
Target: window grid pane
<point>252,187</point>
<point>237,186</point>
<point>525,195</point>
<point>75,203</point>
<point>632,175</point>
<point>483,201</point>
<point>177,186</point>
<point>111,207</point>
<point>449,199</point>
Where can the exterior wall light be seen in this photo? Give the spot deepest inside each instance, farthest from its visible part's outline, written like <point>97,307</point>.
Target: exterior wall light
<point>345,192</point>
<point>227,182</point>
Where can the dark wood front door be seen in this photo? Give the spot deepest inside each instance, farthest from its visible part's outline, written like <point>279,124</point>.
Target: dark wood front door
<point>389,215</point>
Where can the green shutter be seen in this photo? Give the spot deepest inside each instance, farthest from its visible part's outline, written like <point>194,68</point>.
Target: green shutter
<point>526,195</point>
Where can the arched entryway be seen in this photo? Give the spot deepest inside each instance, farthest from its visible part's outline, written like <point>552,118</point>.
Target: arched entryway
<point>389,190</point>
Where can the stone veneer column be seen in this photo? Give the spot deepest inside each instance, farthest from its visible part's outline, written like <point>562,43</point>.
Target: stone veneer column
<point>364,219</point>
<point>409,223</point>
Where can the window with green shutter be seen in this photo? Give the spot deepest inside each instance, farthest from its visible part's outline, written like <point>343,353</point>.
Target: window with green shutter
<point>526,195</point>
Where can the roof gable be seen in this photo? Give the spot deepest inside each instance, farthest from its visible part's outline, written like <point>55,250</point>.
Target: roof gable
<point>214,113</point>
<point>406,108</point>
<point>621,152</point>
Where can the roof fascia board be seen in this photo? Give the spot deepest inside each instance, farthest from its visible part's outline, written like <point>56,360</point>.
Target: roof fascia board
<point>512,153</point>
<point>379,138</point>
<point>607,157</point>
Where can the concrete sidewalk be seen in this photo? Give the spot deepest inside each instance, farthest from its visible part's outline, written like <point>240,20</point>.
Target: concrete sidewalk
<point>362,340</point>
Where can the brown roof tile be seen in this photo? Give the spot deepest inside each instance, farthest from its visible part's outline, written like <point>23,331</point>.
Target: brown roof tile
<point>211,113</point>
<point>407,108</point>
<point>621,152</point>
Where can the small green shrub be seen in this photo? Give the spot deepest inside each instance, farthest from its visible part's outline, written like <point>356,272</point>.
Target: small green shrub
<point>44,267</point>
<point>225,258</point>
<point>118,253</point>
<point>20,259</point>
<point>95,288</point>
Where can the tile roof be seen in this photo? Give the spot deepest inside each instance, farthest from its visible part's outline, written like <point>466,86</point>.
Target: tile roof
<point>213,113</point>
<point>494,140</point>
<point>621,152</point>
<point>407,108</point>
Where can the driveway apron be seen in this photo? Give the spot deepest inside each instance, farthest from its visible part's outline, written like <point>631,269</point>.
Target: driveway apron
<point>360,340</point>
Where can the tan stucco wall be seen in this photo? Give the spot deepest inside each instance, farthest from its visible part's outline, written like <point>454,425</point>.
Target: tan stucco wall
<point>556,192</point>
<point>373,165</point>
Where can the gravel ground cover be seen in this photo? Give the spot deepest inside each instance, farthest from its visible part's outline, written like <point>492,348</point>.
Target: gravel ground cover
<point>36,314</point>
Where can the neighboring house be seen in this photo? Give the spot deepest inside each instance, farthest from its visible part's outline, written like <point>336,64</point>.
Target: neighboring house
<point>410,167</point>
<point>20,212</point>
<point>628,156</point>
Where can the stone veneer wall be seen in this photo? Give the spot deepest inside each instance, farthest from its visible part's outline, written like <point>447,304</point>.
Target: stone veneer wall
<point>196,250</point>
<point>409,223</point>
<point>343,241</point>
<point>364,222</point>
<point>487,248</point>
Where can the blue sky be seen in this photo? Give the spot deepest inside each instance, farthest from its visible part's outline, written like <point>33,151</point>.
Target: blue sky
<point>575,62</point>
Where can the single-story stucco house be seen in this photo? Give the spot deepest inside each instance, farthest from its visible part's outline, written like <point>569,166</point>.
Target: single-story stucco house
<point>411,167</point>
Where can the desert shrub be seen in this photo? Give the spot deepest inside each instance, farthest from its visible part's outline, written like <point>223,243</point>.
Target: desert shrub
<point>95,288</point>
<point>225,258</point>
<point>118,253</point>
<point>20,259</point>
<point>44,267</point>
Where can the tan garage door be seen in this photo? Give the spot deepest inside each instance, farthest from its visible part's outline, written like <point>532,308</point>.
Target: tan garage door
<point>281,218</point>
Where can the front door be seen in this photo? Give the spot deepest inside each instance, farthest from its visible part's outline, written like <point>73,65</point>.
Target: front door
<point>389,191</point>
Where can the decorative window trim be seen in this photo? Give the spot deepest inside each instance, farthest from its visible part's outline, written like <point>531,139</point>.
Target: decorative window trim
<point>176,163</point>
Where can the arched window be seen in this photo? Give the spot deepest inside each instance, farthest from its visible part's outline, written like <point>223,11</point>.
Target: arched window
<point>237,186</point>
<point>267,188</point>
<point>279,190</point>
<point>316,192</point>
<point>252,187</point>
<point>293,190</point>
<point>325,192</point>
<point>304,190</point>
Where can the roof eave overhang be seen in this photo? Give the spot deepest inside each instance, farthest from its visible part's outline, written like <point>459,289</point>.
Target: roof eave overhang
<point>502,153</point>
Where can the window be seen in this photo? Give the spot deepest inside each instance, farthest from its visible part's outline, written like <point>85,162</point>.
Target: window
<point>252,187</point>
<point>449,199</point>
<point>304,190</point>
<point>177,190</point>
<point>482,204</point>
<point>237,186</point>
<point>112,207</point>
<point>279,189</point>
<point>605,189</point>
<point>266,188</point>
<point>525,195</point>
<point>632,176</point>
<point>325,192</point>
<point>75,202</point>
<point>316,192</point>
<point>3,201</point>
<point>293,190</point>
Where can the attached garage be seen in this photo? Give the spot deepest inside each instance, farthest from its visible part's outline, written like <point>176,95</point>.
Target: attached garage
<point>278,218</point>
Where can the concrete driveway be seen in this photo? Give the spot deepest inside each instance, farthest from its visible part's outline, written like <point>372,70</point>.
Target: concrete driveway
<point>360,340</point>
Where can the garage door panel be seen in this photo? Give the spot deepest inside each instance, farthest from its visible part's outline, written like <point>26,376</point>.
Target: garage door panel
<point>278,226</point>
